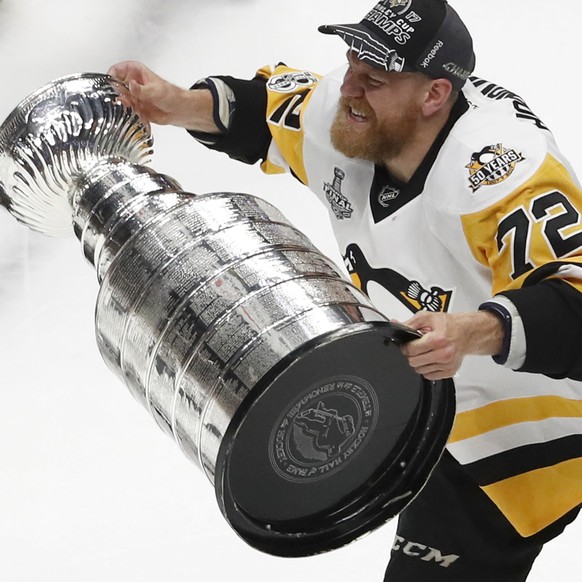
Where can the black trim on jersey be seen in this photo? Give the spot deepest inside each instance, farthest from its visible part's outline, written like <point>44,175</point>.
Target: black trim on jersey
<point>454,515</point>
<point>524,459</point>
<point>409,191</point>
<point>292,172</point>
<point>248,137</point>
<point>551,311</point>
<point>542,273</point>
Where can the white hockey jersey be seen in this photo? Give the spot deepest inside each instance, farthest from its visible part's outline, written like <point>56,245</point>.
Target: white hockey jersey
<point>497,207</point>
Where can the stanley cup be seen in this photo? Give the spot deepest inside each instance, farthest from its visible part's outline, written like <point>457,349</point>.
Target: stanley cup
<point>272,372</point>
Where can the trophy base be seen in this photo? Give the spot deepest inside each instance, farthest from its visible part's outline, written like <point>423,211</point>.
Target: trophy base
<point>332,443</point>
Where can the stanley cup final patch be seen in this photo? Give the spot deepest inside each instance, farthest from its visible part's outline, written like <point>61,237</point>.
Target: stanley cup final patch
<point>333,192</point>
<point>492,165</point>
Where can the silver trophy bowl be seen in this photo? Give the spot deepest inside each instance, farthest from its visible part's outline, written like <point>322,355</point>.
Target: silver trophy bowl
<point>271,371</point>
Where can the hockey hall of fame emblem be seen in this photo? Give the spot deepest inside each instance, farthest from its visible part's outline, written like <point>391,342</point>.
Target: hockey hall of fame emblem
<point>323,430</point>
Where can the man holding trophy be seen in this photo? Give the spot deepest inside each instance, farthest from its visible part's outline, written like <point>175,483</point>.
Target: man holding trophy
<point>456,212</point>
<point>440,381</point>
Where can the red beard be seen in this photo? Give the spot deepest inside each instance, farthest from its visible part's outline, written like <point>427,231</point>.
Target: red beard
<point>376,141</point>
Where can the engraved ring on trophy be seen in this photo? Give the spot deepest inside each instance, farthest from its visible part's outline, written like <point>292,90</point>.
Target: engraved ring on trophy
<point>272,372</point>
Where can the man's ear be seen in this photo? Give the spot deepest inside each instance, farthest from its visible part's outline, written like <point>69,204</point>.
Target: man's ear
<point>437,95</point>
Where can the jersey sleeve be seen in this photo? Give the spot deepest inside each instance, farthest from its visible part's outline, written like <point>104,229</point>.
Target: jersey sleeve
<point>244,133</point>
<point>531,240</point>
<point>264,117</point>
<point>288,94</point>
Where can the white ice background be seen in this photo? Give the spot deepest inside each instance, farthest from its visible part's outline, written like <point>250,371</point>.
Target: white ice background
<point>90,488</point>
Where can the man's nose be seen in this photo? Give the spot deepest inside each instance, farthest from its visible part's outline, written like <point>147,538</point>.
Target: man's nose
<point>352,85</point>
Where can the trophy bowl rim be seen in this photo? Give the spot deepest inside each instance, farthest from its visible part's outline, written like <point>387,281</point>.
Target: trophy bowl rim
<point>367,507</point>
<point>13,121</point>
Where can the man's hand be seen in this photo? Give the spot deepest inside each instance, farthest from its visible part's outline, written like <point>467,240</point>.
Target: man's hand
<point>158,101</point>
<point>448,338</point>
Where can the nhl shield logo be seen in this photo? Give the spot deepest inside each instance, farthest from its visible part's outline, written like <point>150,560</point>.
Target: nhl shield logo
<point>333,192</point>
<point>387,195</point>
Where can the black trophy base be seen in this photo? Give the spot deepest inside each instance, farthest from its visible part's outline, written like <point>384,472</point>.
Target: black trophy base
<point>331,444</point>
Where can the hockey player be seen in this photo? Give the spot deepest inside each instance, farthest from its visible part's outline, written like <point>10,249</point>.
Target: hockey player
<point>456,212</point>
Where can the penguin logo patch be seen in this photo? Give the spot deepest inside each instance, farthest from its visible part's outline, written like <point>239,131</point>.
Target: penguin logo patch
<point>492,165</point>
<point>333,192</point>
<point>288,82</point>
<point>410,293</point>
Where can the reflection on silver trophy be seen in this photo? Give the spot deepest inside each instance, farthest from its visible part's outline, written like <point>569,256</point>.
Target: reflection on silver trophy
<point>271,371</point>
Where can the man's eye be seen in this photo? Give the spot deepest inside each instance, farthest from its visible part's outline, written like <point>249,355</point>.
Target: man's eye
<point>375,82</point>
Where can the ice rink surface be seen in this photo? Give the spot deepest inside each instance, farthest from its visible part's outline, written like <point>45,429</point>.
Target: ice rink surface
<point>90,488</point>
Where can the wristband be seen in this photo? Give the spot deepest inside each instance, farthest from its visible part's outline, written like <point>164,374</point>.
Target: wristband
<point>503,314</point>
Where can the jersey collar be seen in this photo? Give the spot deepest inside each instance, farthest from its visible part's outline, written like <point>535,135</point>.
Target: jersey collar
<point>387,194</point>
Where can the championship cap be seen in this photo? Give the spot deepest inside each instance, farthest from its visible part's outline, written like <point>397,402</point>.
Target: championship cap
<point>424,36</point>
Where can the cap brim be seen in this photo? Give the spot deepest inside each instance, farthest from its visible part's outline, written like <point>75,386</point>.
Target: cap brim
<point>367,47</point>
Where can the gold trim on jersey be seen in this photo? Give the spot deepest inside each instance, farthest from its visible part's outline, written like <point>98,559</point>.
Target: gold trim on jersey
<point>529,227</point>
<point>284,117</point>
<point>529,500</point>
<point>512,411</point>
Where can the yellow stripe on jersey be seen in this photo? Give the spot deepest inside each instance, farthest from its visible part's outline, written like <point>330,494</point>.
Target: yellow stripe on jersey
<point>530,227</point>
<point>285,106</point>
<point>530,501</point>
<point>497,415</point>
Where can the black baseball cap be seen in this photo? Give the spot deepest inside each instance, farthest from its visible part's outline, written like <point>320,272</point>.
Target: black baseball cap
<point>425,36</point>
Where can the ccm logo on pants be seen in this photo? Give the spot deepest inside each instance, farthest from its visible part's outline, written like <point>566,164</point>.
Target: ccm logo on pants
<point>422,552</point>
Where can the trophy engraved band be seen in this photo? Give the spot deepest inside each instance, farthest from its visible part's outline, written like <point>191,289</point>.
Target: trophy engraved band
<point>273,373</point>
